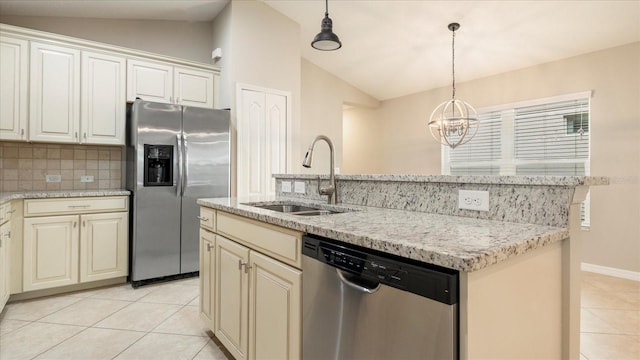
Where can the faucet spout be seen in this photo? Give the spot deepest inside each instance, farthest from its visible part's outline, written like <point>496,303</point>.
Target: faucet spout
<point>330,190</point>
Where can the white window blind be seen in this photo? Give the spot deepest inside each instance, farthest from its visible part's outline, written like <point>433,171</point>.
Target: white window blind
<point>542,137</point>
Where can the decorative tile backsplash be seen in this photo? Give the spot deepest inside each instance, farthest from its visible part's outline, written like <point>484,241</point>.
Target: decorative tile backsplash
<point>23,166</point>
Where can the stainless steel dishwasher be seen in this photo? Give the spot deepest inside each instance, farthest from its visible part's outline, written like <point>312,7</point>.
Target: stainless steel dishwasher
<point>358,303</point>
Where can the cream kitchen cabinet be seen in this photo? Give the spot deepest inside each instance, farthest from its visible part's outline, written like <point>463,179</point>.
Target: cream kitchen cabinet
<point>5,258</point>
<point>207,274</point>
<point>256,292</point>
<point>60,111</point>
<point>103,100</point>
<point>165,83</point>
<point>54,93</point>
<point>14,73</point>
<point>79,240</point>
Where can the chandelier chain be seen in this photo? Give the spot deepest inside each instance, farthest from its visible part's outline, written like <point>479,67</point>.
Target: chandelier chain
<point>453,64</point>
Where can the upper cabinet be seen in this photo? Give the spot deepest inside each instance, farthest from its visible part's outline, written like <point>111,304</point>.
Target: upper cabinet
<point>193,87</point>
<point>149,81</point>
<point>13,88</point>
<point>54,111</point>
<point>103,101</point>
<point>55,88</point>
<point>162,82</point>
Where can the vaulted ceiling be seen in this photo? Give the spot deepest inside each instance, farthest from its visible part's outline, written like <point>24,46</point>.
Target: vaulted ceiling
<point>394,48</point>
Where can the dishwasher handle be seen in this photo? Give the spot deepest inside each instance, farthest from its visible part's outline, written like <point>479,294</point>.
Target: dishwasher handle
<point>353,285</point>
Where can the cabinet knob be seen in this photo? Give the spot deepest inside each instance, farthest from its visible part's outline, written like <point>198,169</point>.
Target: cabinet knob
<point>209,247</point>
<point>85,136</point>
<point>21,132</point>
<point>75,224</point>
<point>76,134</point>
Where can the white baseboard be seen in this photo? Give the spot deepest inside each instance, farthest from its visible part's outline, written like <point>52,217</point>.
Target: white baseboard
<point>604,270</point>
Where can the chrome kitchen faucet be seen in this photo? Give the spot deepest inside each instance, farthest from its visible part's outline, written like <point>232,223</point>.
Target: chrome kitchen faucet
<point>330,190</point>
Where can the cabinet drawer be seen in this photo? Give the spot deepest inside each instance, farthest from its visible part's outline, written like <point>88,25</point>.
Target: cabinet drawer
<point>39,207</point>
<point>207,218</point>
<point>280,243</point>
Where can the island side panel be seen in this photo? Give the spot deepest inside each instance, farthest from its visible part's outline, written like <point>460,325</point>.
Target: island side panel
<point>513,310</point>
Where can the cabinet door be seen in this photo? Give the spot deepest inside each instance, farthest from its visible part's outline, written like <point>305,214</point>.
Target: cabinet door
<point>231,296</point>
<point>104,246</point>
<point>54,103</point>
<point>13,88</point>
<point>193,87</point>
<point>274,309</point>
<point>50,252</point>
<point>149,81</point>
<point>207,271</point>
<point>103,99</point>
<point>5,238</point>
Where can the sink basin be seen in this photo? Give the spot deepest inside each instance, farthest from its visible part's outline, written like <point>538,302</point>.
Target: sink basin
<point>296,209</point>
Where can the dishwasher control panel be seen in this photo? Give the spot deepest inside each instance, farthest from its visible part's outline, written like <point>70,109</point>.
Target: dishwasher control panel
<point>428,280</point>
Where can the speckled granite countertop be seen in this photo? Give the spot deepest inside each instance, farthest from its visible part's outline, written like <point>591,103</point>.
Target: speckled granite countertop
<point>43,194</point>
<point>460,243</point>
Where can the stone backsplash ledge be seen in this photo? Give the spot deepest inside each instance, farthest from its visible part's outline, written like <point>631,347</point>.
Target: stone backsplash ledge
<point>538,200</point>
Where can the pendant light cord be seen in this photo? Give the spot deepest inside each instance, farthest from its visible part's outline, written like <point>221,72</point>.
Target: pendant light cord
<point>453,64</point>
<point>326,8</point>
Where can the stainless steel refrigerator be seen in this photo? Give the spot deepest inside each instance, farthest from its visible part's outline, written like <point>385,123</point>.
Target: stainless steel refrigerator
<point>175,155</point>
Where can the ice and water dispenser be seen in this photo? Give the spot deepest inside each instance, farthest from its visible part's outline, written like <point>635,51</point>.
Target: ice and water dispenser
<point>158,165</point>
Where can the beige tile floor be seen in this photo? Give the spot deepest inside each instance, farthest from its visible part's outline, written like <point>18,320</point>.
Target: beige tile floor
<point>610,318</point>
<point>157,321</point>
<point>161,322</point>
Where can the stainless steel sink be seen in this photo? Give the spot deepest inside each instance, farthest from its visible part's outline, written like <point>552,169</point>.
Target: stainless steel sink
<point>296,209</point>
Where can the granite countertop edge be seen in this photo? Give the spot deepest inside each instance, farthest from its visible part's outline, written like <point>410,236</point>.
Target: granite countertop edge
<point>44,194</point>
<point>466,179</point>
<point>460,243</point>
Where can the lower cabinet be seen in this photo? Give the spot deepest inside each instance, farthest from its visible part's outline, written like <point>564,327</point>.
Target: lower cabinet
<point>274,309</point>
<point>255,300</point>
<point>5,238</point>
<point>257,303</point>
<point>207,271</point>
<point>87,246</point>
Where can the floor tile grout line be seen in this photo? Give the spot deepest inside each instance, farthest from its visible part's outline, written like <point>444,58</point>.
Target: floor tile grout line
<point>59,342</point>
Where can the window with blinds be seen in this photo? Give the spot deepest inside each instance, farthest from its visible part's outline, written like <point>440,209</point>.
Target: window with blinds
<point>544,137</point>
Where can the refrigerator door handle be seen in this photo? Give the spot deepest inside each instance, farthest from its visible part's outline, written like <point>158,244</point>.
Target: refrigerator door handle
<point>185,163</point>
<point>180,160</point>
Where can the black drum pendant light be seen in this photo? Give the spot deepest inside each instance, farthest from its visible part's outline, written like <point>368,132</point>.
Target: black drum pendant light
<point>326,40</point>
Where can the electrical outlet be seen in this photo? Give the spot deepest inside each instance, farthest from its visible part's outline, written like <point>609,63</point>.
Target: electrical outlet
<point>285,186</point>
<point>473,200</point>
<point>53,178</point>
<point>86,179</point>
<point>299,187</point>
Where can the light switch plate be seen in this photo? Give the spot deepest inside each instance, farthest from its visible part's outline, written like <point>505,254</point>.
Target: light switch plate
<point>473,200</point>
<point>285,186</point>
<point>53,178</point>
<point>86,179</point>
<point>299,187</point>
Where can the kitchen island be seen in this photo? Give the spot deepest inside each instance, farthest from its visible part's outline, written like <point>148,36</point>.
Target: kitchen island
<point>519,262</point>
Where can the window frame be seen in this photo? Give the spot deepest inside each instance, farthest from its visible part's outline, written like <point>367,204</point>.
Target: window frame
<point>507,163</point>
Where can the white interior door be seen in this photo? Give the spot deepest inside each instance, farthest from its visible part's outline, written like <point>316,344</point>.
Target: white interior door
<point>263,141</point>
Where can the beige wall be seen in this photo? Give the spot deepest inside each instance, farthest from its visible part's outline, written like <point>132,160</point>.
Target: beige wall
<point>360,130</point>
<point>180,39</point>
<point>323,97</point>
<point>612,75</point>
<point>260,47</point>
